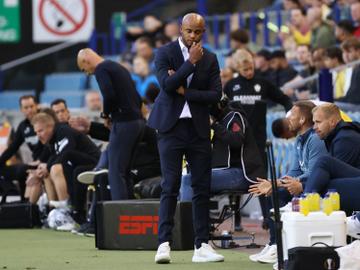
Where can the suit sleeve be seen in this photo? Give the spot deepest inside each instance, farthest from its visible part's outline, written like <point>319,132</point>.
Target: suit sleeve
<point>277,96</point>
<point>13,147</point>
<point>171,83</point>
<point>207,96</point>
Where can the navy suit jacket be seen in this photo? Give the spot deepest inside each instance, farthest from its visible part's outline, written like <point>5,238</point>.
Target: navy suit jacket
<point>204,89</point>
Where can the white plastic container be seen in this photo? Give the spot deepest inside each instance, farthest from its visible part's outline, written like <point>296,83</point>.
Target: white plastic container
<point>304,231</point>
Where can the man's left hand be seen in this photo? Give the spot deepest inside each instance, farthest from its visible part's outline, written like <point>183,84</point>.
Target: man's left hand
<point>181,90</point>
<point>293,185</point>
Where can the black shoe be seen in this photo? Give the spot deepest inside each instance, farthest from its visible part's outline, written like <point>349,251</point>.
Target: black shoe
<point>86,229</point>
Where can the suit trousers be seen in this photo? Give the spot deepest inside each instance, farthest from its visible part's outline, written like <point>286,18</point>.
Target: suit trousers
<point>182,140</point>
<point>124,137</point>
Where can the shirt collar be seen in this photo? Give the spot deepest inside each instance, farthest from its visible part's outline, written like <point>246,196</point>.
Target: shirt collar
<point>182,46</point>
<point>304,137</point>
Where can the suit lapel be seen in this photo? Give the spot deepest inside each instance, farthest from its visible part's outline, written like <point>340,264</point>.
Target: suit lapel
<point>178,57</point>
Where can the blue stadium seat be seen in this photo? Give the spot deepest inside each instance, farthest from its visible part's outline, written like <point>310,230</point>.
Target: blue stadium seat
<point>9,99</point>
<point>221,55</point>
<point>143,84</point>
<point>93,85</point>
<point>65,81</point>
<point>283,154</point>
<point>74,99</point>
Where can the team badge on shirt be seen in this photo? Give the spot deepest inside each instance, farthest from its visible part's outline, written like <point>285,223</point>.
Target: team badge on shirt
<point>236,87</point>
<point>257,88</point>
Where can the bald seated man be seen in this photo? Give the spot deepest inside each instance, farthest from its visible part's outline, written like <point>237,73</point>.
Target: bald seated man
<point>122,114</point>
<point>189,79</point>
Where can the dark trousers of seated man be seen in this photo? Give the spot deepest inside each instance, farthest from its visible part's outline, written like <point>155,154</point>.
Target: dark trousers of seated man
<point>15,172</point>
<point>74,163</point>
<point>332,173</point>
<point>124,137</point>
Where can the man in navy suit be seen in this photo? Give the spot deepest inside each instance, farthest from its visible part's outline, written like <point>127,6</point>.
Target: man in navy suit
<point>190,81</point>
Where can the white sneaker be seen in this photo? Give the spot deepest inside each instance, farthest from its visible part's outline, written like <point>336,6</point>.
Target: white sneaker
<point>276,266</point>
<point>59,204</point>
<point>255,257</point>
<point>163,253</point>
<point>67,227</point>
<point>286,208</point>
<point>88,177</point>
<point>353,227</point>
<point>270,256</point>
<point>206,254</point>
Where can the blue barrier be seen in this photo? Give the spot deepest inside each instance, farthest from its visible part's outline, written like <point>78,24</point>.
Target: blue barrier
<point>263,26</point>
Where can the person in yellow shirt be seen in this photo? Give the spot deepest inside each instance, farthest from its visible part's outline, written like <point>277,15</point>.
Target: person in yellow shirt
<point>333,59</point>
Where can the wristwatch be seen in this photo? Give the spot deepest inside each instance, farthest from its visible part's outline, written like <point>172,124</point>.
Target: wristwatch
<point>104,116</point>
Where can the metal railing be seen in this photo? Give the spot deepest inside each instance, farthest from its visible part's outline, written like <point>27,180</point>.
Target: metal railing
<point>264,27</point>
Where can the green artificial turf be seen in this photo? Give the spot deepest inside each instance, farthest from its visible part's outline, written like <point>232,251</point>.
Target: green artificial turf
<point>50,250</point>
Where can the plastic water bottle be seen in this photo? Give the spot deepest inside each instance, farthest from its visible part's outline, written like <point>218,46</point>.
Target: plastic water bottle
<point>327,205</point>
<point>314,201</point>
<point>225,242</point>
<point>335,199</point>
<point>304,205</point>
<point>295,206</point>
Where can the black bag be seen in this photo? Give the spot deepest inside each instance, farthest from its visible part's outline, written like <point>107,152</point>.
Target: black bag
<point>313,258</point>
<point>148,188</point>
<point>19,215</point>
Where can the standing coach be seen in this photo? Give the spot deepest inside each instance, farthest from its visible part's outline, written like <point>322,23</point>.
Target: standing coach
<point>189,77</point>
<point>122,114</point>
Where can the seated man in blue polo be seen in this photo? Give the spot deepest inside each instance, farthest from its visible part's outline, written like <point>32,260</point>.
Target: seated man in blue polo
<point>308,149</point>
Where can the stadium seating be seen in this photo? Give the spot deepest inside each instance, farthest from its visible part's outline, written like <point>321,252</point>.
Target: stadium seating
<point>65,81</point>
<point>9,99</point>
<point>74,99</point>
<point>93,85</point>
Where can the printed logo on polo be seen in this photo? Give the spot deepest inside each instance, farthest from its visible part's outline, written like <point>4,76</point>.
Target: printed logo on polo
<point>60,145</point>
<point>27,130</point>
<point>32,140</point>
<point>247,99</point>
<point>236,87</point>
<point>138,225</point>
<point>257,88</point>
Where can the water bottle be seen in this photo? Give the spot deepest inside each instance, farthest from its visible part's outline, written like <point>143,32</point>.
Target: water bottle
<point>314,201</point>
<point>327,205</point>
<point>335,199</point>
<point>225,242</point>
<point>304,205</point>
<point>295,206</point>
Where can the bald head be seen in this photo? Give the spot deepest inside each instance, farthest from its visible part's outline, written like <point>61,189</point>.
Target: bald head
<point>87,60</point>
<point>193,18</point>
<point>192,28</point>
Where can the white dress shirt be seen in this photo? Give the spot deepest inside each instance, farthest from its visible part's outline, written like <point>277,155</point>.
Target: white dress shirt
<point>185,52</point>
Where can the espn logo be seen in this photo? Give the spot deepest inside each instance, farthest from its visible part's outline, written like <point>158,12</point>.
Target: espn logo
<point>136,225</point>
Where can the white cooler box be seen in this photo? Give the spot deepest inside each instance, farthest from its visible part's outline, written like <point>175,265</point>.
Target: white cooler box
<point>300,230</point>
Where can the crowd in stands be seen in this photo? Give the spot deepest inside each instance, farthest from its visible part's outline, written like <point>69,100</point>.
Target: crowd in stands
<point>253,79</point>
